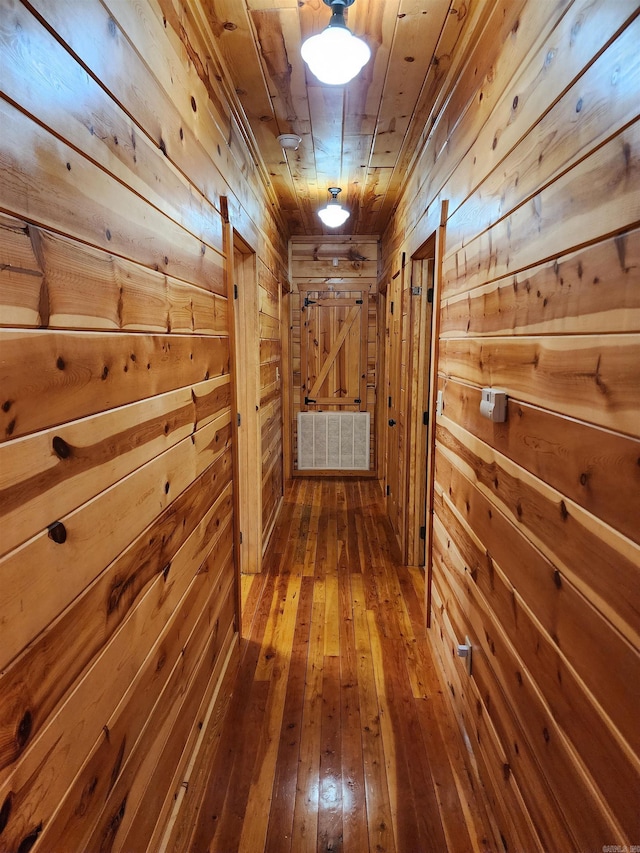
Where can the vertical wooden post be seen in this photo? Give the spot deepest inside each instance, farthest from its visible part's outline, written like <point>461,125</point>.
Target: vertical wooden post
<point>392,419</point>
<point>227,235</point>
<point>433,395</point>
<point>364,348</point>
<point>420,343</point>
<point>286,382</point>
<point>381,384</point>
<point>304,358</point>
<point>247,381</point>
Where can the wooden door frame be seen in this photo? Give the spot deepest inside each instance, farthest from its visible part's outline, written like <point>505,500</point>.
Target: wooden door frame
<point>286,378</point>
<point>417,480</point>
<point>420,323</point>
<point>392,387</point>
<point>433,395</point>
<point>381,381</point>
<point>227,241</point>
<point>246,325</point>
<point>409,395</point>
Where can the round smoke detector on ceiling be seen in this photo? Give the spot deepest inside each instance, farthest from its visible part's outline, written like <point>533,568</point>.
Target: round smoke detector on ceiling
<point>289,141</point>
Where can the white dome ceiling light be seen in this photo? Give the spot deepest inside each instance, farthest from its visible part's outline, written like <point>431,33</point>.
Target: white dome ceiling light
<point>290,141</point>
<point>335,55</point>
<point>333,215</point>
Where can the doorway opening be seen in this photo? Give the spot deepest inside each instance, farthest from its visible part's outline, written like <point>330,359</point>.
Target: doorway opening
<point>409,303</point>
<point>420,335</point>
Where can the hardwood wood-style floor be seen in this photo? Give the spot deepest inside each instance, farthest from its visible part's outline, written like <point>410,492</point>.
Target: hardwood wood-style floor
<point>332,732</point>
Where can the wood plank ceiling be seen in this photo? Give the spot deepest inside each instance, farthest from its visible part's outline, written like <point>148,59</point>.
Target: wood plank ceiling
<point>361,136</point>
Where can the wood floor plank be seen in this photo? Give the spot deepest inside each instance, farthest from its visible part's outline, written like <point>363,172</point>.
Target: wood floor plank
<point>232,768</point>
<point>379,818</point>
<point>338,734</point>
<point>279,833</point>
<point>418,825</point>
<point>330,832</point>
<point>305,816</point>
<point>353,789</point>
<point>331,615</point>
<point>254,831</point>
<point>312,540</point>
<point>397,782</point>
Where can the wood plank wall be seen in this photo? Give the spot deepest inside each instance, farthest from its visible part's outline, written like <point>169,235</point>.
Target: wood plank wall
<point>311,264</point>
<point>536,535</point>
<point>118,603</point>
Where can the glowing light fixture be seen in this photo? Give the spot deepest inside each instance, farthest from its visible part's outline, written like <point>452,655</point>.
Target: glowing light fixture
<point>335,55</point>
<point>334,214</point>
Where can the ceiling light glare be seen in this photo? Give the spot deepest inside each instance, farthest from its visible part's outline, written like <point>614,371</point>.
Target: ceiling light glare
<point>335,55</point>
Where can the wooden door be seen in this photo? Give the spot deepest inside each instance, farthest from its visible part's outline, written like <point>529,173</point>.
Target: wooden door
<point>408,334</point>
<point>436,280</point>
<point>419,335</point>
<point>393,441</point>
<point>333,352</point>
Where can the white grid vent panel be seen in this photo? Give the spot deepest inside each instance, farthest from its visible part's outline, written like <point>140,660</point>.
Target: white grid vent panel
<point>333,441</point>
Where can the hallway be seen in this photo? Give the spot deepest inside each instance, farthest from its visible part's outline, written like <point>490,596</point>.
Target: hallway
<point>336,735</point>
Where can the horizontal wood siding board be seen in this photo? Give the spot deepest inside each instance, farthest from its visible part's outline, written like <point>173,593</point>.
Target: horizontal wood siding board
<point>109,525</point>
<point>322,269</point>
<point>72,375</point>
<point>549,656</point>
<point>130,82</point>
<point>601,564</point>
<point>598,103</point>
<point>519,759</point>
<point>468,56</point>
<point>516,825</point>
<point>269,326</point>
<point>66,746</point>
<point>553,49</point>
<point>136,726</point>
<point>592,378</point>
<point>81,288</point>
<point>15,245</point>
<point>116,373</point>
<point>155,753</point>
<point>596,468</point>
<point>210,671</point>
<point>67,465</point>
<point>210,398</point>
<point>55,662</point>
<point>573,211</point>
<point>270,351</point>
<point>522,717</point>
<point>271,395</point>
<point>589,291</point>
<point>82,201</point>
<point>196,750</point>
<point>89,288</point>
<point>106,134</point>
<point>271,494</point>
<point>269,282</point>
<point>20,298</point>
<point>73,286</point>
